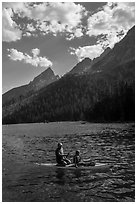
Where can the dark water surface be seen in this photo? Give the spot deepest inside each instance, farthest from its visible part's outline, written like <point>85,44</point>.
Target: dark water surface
<point>26,144</point>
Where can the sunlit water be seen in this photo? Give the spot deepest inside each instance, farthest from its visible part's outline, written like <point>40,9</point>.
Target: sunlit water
<point>27,144</point>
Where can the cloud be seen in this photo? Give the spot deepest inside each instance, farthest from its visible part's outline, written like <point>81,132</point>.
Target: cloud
<point>113,19</point>
<point>15,55</point>
<point>30,27</point>
<point>59,18</point>
<point>67,18</point>
<point>65,14</point>
<point>53,17</point>
<point>109,24</point>
<point>10,30</point>
<point>35,52</point>
<point>77,33</point>
<point>92,52</point>
<point>28,34</point>
<point>18,7</point>
<point>34,60</point>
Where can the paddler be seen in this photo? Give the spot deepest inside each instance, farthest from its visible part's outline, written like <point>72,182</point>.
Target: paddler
<point>77,158</point>
<point>61,158</point>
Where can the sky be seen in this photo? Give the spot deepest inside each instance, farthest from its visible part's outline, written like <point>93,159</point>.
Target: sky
<point>39,35</point>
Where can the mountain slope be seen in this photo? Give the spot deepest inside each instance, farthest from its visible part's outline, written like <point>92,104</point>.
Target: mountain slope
<point>87,63</point>
<point>81,67</point>
<point>43,79</point>
<point>96,97</point>
<point>18,93</point>
<point>107,95</point>
<point>122,52</point>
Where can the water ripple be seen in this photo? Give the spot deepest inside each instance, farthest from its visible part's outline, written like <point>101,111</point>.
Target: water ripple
<point>23,146</point>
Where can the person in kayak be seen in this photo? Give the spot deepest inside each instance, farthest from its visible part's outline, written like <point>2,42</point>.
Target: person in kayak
<point>77,158</point>
<point>61,158</point>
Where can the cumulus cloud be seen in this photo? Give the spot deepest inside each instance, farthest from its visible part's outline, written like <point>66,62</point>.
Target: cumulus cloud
<point>109,24</point>
<point>20,8</point>
<point>15,55</point>
<point>30,28</point>
<point>111,20</point>
<point>57,17</point>
<point>67,13</point>
<point>92,51</point>
<point>52,17</point>
<point>28,34</point>
<point>10,30</point>
<point>67,18</point>
<point>35,52</point>
<point>77,33</point>
<point>34,60</point>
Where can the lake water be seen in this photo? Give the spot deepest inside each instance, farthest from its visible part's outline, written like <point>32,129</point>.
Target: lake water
<point>24,145</point>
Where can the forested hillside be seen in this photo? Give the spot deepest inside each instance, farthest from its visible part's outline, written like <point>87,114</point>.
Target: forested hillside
<point>100,95</point>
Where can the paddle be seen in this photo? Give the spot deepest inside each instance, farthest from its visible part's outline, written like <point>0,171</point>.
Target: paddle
<point>66,155</point>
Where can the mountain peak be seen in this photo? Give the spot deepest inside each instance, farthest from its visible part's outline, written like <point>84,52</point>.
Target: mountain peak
<point>45,78</point>
<point>86,59</point>
<point>82,66</point>
<point>48,72</point>
<point>106,51</point>
<point>122,52</point>
<point>132,30</point>
<point>109,82</point>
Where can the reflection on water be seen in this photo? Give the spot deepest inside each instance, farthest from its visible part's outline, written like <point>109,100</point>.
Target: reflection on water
<point>60,175</point>
<point>23,180</point>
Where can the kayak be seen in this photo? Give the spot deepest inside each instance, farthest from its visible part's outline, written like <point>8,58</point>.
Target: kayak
<point>96,167</point>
